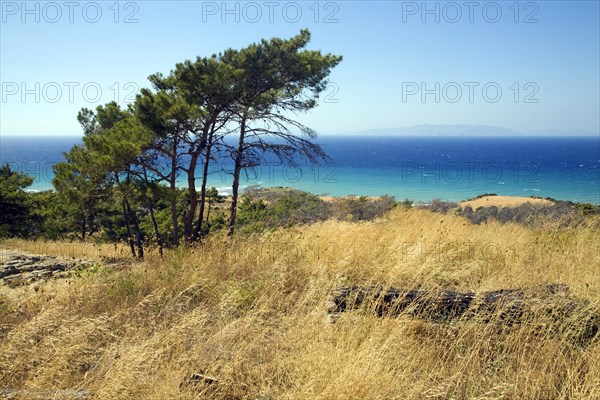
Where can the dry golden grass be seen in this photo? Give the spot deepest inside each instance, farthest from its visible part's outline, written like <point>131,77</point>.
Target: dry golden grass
<point>72,249</point>
<point>251,312</point>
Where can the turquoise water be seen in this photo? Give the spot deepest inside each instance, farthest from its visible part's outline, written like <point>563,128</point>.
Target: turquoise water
<point>418,168</point>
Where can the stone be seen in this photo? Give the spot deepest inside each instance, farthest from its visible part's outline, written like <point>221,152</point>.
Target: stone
<point>21,269</point>
<point>506,307</point>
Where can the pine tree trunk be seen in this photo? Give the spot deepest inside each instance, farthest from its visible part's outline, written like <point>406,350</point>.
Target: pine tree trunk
<point>128,229</point>
<point>83,226</point>
<point>156,230</point>
<point>173,188</point>
<point>188,218</point>
<point>239,157</point>
<point>198,230</point>
<point>138,231</point>
<point>174,219</point>
<point>151,203</point>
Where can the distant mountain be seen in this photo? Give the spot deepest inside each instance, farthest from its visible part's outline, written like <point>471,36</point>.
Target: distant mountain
<point>443,130</point>
<point>556,132</point>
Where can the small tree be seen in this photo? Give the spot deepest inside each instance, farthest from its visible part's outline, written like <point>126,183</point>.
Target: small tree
<point>15,205</point>
<point>80,190</point>
<point>103,167</point>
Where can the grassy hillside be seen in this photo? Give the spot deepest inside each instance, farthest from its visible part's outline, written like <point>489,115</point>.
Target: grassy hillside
<point>251,313</point>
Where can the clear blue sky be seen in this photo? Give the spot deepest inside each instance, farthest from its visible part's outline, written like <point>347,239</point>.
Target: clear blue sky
<point>390,55</point>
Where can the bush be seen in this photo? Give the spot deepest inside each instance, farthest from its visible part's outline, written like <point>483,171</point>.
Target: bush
<point>262,209</point>
<point>438,205</point>
<point>587,208</point>
<point>562,213</point>
<point>361,208</point>
<point>406,203</point>
<point>269,208</point>
<point>18,212</point>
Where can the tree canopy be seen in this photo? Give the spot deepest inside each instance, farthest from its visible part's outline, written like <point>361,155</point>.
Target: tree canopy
<point>135,175</point>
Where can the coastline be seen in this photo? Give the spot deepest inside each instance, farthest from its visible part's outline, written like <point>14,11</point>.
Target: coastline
<point>420,169</point>
<point>479,200</point>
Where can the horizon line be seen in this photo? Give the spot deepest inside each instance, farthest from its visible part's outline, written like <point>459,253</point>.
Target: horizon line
<point>359,134</point>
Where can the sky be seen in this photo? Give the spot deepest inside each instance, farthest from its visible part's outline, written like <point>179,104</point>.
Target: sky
<point>532,66</point>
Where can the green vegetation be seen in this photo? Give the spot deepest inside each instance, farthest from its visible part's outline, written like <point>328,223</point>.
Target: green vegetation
<point>560,213</point>
<point>120,184</point>
<point>18,216</point>
<point>262,209</point>
<point>587,208</point>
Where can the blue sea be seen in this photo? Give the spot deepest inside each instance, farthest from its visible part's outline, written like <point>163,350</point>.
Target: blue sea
<point>417,168</point>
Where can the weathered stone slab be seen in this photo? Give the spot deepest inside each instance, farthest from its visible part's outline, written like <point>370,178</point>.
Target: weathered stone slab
<point>506,307</point>
<point>19,269</point>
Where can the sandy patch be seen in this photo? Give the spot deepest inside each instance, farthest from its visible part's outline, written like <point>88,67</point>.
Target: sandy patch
<point>330,199</point>
<point>503,201</point>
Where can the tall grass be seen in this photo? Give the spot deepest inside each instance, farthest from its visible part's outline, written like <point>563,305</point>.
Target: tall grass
<point>251,313</point>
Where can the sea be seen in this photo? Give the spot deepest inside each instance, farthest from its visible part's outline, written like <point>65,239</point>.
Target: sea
<point>420,169</point>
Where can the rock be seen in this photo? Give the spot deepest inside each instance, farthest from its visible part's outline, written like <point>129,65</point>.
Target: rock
<point>201,378</point>
<point>22,269</point>
<point>196,381</point>
<point>565,314</point>
<point>10,270</point>
<point>12,262</point>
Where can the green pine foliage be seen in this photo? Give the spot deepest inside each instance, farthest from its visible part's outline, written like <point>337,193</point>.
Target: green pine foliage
<point>17,207</point>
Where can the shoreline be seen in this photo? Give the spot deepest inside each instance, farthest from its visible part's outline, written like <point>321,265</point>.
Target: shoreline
<point>481,200</point>
<point>419,170</point>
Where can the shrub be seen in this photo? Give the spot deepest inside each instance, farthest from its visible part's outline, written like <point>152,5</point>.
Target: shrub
<point>275,207</point>
<point>562,213</point>
<point>406,203</point>
<point>269,208</point>
<point>587,208</point>
<point>361,208</point>
<point>438,205</point>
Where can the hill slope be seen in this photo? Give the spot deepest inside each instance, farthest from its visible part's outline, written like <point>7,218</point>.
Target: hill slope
<point>251,313</point>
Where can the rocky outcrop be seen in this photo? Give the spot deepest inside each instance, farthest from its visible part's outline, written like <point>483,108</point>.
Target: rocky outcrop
<point>19,269</point>
<point>551,304</point>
